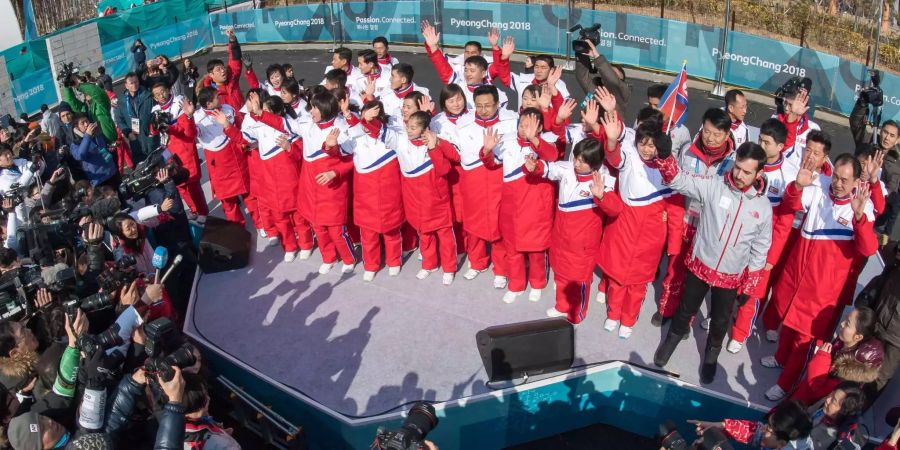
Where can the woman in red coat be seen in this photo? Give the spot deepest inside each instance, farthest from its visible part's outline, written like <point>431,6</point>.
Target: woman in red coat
<point>377,197</point>
<point>278,166</point>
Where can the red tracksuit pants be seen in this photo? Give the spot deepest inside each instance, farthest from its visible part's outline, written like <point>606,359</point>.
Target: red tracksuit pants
<point>536,271</point>
<point>438,242</point>
<point>623,301</point>
<point>572,297</point>
<point>192,194</point>
<point>292,229</point>
<point>231,206</point>
<point>372,246</point>
<point>477,250</point>
<point>794,351</point>
<point>333,242</point>
<point>748,312</point>
<point>673,282</point>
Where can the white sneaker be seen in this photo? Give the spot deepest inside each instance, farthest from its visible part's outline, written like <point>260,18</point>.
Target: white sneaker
<point>368,276</point>
<point>534,295</point>
<point>510,296</point>
<point>325,268</point>
<point>305,254</point>
<point>347,268</point>
<point>625,332</point>
<point>419,257</point>
<point>601,297</point>
<point>705,323</point>
<point>772,335</point>
<point>447,279</point>
<point>423,274</point>
<point>290,256</point>
<point>775,393</point>
<point>500,282</point>
<point>770,362</point>
<point>471,274</point>
<point>734,346</point>
<point>273,241</point>
<point>553,312</point>
<point>261,233</point>
<point>610,324</point>
<point>393,271</point>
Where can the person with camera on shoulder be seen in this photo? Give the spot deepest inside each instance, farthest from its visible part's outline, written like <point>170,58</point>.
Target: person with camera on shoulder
<point>96,103</point>
<point>593,70</point>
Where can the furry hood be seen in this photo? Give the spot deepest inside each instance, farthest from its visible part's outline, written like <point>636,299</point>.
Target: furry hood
<point>846,367</point>
<point>17,368</point>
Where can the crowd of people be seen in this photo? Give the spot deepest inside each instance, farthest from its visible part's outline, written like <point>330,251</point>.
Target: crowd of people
<point>370,164</point>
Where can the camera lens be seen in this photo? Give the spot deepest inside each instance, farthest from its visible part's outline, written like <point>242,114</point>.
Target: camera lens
<point>421,420</point>
<point>96,302</point>
<point>183,357</point>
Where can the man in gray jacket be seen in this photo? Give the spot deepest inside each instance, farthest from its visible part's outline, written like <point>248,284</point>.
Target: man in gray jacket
<point>729,249</point>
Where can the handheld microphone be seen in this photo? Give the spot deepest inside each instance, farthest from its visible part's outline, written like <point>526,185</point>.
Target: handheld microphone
<point>159,261</point>
<point>175,264</point>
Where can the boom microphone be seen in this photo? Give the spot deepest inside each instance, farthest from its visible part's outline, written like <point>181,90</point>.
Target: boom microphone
<point>175,263</point>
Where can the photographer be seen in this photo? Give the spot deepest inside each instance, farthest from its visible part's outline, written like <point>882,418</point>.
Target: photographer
<point>171,431</point>
<point>888,141</point>
<point>132,116</point>
<point>14,171</point>
<point>138,49</point>
<point>593,70</point>
<point>96,103</point>
<point>787,428</point>
<point>91,151</point>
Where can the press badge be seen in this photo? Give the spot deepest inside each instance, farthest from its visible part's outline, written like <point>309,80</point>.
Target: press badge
<point>135,124</point>
<point>724,203</point>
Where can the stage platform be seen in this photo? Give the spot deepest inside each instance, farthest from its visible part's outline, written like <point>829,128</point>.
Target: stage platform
<point>357,350</point>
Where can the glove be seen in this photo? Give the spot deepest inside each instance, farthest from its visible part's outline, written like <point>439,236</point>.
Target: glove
<point>101,370</point>
<point>664,147</point>
<point>248,63</point>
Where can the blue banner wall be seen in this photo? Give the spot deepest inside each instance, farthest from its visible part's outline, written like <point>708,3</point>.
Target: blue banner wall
<point>750,61</point>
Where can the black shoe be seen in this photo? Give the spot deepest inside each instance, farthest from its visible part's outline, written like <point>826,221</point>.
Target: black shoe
<point>710,364</point>
<point>665,349</point>
<point>658,320</point>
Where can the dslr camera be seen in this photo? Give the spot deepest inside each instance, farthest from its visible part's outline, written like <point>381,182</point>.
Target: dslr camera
<point>91,343</point>
<point>411,435</point>
<point>873,95</point>
<point>141,179</point>
<point>592,33</point>
<point>160,120</point>
<point>67,73</point>
<point>162,347</point>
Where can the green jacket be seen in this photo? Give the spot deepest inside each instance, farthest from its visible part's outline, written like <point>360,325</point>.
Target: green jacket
<point>98,110</point>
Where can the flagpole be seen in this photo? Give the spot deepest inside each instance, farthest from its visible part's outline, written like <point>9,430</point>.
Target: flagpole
<point>672,113</point>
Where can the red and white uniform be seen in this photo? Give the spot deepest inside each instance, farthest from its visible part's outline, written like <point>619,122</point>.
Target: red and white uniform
<point>230,92</point>
<point>182,143</point>
<point>326,206</point>
<point>816,270</point>
<point>634,241</point>
<point>393,100</point>
<point>577,230</point>
<point>226,163</point>
<point>451,74</point>
<point>377,195</point>
<point>387,62</point>
<point>480,189</point>
<point>278,176</point>
<point>526,209</point>
<point>519,81</point>
<point>382,80</point>
<point>797,132</point>
<point>779,175</point>
<point>445,126</point>
<point>426,197</point>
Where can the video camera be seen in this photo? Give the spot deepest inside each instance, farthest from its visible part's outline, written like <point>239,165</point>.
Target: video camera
<point>18,288</point>
<point>873,95</point>
<point>16,193</point>
<point>160,120</point>
<point>789,89</point>
<point>411,435</point>
<point>162,347</point>
<point>141,179</point>
<point>66,73</point>
<point>592,33</point>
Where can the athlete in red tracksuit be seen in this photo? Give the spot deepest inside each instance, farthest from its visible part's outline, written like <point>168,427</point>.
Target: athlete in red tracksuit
<point>182,134</point>
<point>324,190</point>
<point>838,225</point>
<point>377,195</point>
<point>634,241</point>
<point>227,79</point>
<point>526,206</point>
<point>586,196</point>
<point>279,152</point>
<point>218,132</point>
<point>426,193</point>
<point>479,187</point>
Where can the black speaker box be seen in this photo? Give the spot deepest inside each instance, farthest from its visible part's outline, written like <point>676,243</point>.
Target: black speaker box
<point>526,348</point>
<point>224,246</point>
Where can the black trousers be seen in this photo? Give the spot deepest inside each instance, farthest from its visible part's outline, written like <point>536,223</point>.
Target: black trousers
<point>721,306</point>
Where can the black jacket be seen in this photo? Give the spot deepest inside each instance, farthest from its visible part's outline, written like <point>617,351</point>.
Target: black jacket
<point>169,435</point>
<point>882,294</point>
